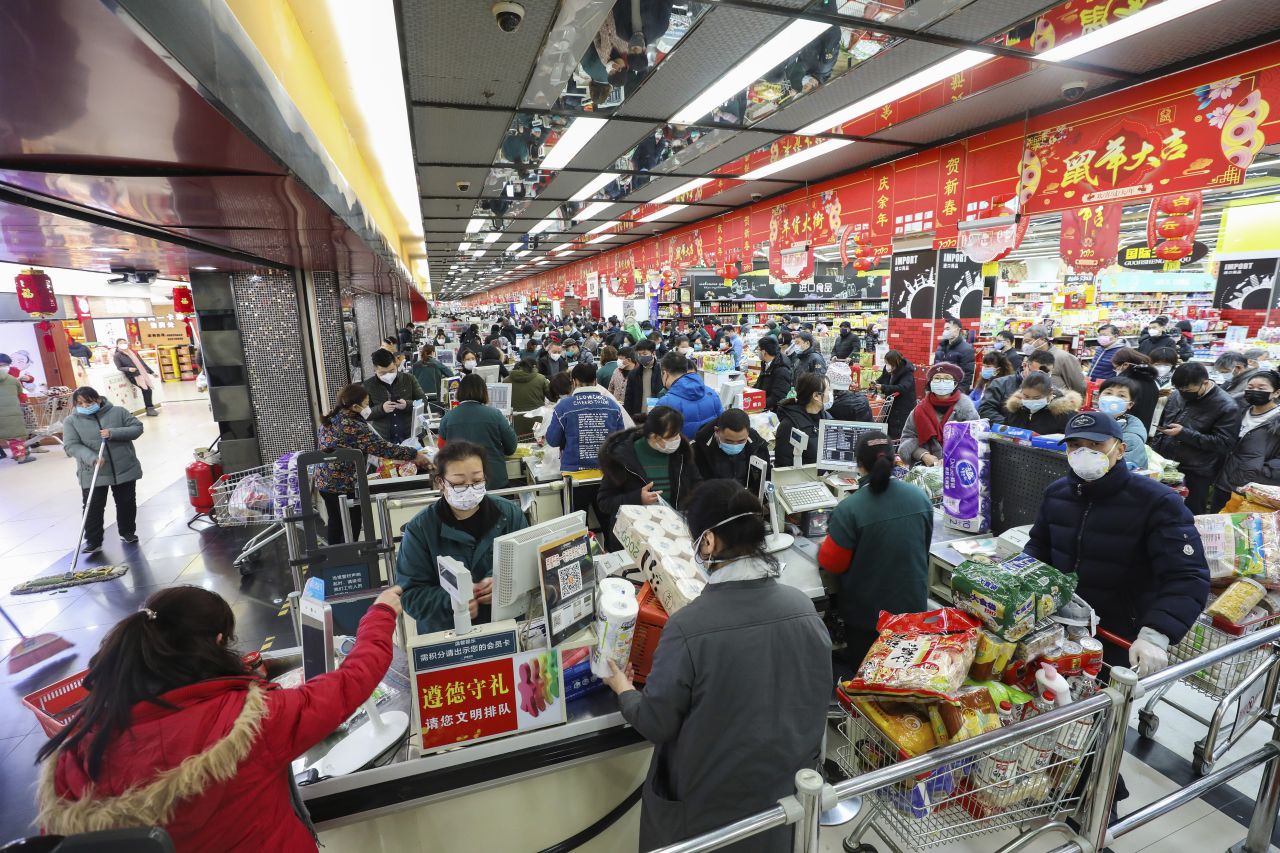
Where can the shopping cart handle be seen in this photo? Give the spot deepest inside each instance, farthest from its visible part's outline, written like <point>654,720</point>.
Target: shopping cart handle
<point>1104,634</point>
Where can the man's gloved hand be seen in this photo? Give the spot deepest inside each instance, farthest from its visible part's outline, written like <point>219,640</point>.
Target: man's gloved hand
<point>1150,652</point>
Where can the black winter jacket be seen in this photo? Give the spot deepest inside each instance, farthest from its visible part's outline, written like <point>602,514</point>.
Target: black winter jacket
<point>1134,546</point>
<point>991,406</point>
<point>1210,427</point>
<point>959,352</point>
<point>1255,459</point>
<point>850,406</point>
<point>902,383</point>
<point>1148,344</point>
<point>809,362</point>
<point>624,477</point>
<point>549,367</point>
<point>1050,420</point>
<point>845,346</point>
<point>714,464</point>
<point>792,415</point>
<point>1144,408</point>
<point>635,395</point>
<point>775,381</point>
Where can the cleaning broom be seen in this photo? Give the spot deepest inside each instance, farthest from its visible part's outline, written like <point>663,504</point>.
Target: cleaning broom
<point>32,650</point>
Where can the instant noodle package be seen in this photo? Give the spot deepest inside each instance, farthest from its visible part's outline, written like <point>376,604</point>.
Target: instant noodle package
<point>918,656</point>
<point>1241,545</point>
<point>1011,597</point>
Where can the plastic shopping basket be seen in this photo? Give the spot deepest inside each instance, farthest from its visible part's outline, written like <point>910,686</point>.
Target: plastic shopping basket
<point>55,705</point>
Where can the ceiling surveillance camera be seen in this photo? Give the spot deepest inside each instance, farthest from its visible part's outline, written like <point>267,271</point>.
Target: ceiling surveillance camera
<point>508,16</point>
<point>463,186</point>
<point>757,196</point>
<point>1073,90</point>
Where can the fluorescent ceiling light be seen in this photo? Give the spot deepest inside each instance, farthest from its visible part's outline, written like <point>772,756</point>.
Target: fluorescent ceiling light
<point>602,238</point>
<point>795,159</point>
<point>594,184</point>
<point>492,236</point>
<point>521,254</point>
<point>478,253</point>
<point>562,247</point>
<point>474,225</point>
<point>570,252</point>
<point>572,141</point>
<point>962,61</point>
<point>543,225</point>
<point>592,209</point>
<point>110,250</point>
<point>1130,25</point>
<point>516,245</point>
<point>541,262</point>
<point>600,228</point>
<point>787,42</point>
<point>666,211</point>
<point>464,246</point>
<point>205,269</point>
<point>680,190</point>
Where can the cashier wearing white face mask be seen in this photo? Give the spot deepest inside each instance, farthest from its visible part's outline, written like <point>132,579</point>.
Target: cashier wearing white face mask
<point>735,702</point>
<point>462,525</point>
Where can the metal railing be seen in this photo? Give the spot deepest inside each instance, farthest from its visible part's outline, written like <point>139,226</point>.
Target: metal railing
<point>1115,703</point>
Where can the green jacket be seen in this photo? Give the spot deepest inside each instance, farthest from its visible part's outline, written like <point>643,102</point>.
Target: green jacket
<point>12,424</point>
<point>428,374</point>
<point>487,427</point>
<point>528,392</point>
<point>81,438</point>
<point>605,373</point>
<point>427,537</point>
<point>397,426</point>
<point>889,535</point>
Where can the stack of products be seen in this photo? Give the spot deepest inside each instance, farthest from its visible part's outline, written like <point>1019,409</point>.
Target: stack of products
<point>1241,545</point>
<point>285,498</point>
<point>658,540</point>
<point>966,489</point>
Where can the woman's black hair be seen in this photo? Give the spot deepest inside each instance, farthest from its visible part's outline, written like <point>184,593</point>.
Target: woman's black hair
<point>1164,355</point>
<point>347,397</point>
<point>473,387</point>
<point>172,642</point>
<point>455,451</point>
<point>87,393</point>
<point>894,357</point>
<point>561,385</point>
<point>999,361</point>
<point>874,455</point>
<point>1131,385</point>
<point>427,350</point>
<point>807,386</point>
<point>712,502</point>
<point>662,421</point>
<point>1038,381</point>
<point>1270,375</point>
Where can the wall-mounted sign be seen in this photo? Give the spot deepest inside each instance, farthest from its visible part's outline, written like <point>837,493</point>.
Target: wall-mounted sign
<point>1245,283</point>
<point>1140,256</point>
<point>959,286</point>
<point>912,281</point>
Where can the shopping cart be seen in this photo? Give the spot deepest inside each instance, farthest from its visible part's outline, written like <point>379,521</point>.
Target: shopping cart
<point>1238,682</point>
<point>44,415</point>
<point>242,499</point>
<point>1015,787</point>
<point>881,407</point>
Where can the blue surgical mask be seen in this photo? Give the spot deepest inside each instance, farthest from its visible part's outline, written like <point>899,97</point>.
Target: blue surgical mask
<point>1035,405</point>
<point>732,449</point>
<point>988,372</point>
<point>89,410</point>
<point>999,346</point>
<point>1113,405</point>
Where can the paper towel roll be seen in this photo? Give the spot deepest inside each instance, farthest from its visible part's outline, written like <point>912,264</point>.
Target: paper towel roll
<point>648,528</point>
<point>676,528</point>
<point>663,547</point>
<point>615,626</point>
<point>690,588</point>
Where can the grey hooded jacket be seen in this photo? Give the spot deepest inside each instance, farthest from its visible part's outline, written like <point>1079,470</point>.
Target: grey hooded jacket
<point>81,438</point>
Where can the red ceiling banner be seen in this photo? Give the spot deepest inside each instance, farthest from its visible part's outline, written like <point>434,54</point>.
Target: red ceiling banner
<point>1091,237</point>
<point>882,202</point>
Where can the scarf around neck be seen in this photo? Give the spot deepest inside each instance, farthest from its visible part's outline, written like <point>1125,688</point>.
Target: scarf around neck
<point>925,416</point>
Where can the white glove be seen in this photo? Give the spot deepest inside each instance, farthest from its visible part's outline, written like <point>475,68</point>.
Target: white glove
<point>1150,652</point>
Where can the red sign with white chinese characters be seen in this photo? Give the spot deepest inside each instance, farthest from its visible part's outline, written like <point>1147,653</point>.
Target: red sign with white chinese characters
<point>1091,237</point>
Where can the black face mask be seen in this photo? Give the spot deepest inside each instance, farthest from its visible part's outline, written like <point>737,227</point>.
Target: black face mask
<point>1190,396</point>
<point>844,333</point>
<point>1257,398</point>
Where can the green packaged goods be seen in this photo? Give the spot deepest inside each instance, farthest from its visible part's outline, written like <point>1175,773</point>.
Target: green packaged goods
<point>1051,588</point>
<point>1000,599</point>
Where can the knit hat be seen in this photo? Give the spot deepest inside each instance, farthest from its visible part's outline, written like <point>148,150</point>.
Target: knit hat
<point>840,375</point>
<point>952,370</point>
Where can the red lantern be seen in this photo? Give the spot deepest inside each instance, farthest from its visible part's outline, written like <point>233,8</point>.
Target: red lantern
<point>1173,250</point>
<point>182,302</point>
<point>1181,203</point>
<point>1175,227</point>
<point>864,251</point>
<point>35,293</point>
<point>862,264</point>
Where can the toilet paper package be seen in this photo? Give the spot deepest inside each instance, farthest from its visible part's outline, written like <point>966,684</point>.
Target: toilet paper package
<point>616,612</point>
<point>637,525</point>
<point>966,495</point>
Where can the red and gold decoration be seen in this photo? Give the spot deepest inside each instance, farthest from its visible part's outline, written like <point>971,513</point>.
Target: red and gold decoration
<point>1172,223</point>
<point>1091,237</point>
<point>36,297</point>
<point>182,301</point>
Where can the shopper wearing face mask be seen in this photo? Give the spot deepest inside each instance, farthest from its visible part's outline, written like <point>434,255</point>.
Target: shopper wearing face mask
<point>391,396</point>
<point>996,381</point>
<point>552,360</point>
<point>1132,364</point>
<point>877,545</point>
<point>922,434</point>
<point>1006,345</point>
<point>803,415</point>
<point>807,358</point>
<point>476,421</point>
<point>1066,367</point>
<point>1200,425</point>
<point>1256,455</point>
<point>1129,539</point>
<point>137,371</point>
<point>723,448</point>
<point>643,382</point>
<point>1040,407</point>
<point>97,423</point>
<point>1232,372</point>
<point>346,425</point>
<point>644,464</point>
<point>1156,336</point>
<point>1109,343</point>
<point>1115,398</point>
<point>736,700</point>
<point>775,374</point>
<point>493,355</point>
<point>844,404</point>
<point>686,391</point>
<point>429,373</point>
<point>897,382</point>
<point>462,525</point>
<point>847,344</point>
<point>954,347</point>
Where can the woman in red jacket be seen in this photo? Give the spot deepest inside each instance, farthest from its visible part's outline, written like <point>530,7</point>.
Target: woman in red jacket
<point>175,733</point>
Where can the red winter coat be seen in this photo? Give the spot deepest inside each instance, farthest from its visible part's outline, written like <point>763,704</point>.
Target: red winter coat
<point>212,772</point>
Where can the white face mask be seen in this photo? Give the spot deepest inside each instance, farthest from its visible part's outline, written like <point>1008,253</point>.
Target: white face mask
<point>1027,349</point>
<point>365,412</point>
<point>702,563</point>
<point>1089,464</point>
<point>1163,370</point>
<point>1155,332</point>
<point>1105,340</point>
<point>463,498</point>
<point>387,377</point>
<point>828,399</point>
<point>554,356</point>
<point>669,446</point>
<point>469,364</point>
<point>942,386</point>
<point>1035,405</point>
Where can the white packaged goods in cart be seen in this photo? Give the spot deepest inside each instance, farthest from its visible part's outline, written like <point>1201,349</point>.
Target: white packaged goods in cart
<point>616,613</point>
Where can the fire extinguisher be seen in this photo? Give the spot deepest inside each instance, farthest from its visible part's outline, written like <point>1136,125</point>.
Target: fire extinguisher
<point>200,479</point>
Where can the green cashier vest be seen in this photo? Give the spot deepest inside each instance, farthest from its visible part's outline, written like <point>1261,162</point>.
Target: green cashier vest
<point>889,535</point>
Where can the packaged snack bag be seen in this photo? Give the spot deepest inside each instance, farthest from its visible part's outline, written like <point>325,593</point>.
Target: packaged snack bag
<point>1000,599</point>
<point>917,656</point>
<point>992,656</point>
<point>1050,587</point>
<point>1240,598</point>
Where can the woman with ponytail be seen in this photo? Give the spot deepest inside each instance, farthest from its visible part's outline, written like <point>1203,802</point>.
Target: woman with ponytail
<point>346,425</point>
<point>878,547</point>
<point>176,733</point>
<point>736,700</point>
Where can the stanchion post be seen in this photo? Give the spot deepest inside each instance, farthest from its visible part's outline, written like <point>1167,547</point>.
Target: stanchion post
<point>1124,691</point>
<point>344,508</point>
<point>1267,803</point>
<point>385,537</point>
<point>809,792</point>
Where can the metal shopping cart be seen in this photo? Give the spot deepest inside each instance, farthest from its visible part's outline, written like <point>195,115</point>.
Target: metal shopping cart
<point>44,415</point>
<point>1021,786</point>
<point>242,499</point>
<point>1238,682</point>
<point>881,407</point>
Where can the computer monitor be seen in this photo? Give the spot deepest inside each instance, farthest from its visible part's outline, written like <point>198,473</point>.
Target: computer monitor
<point>348,610</point>
<point>515,562</point>
<point>447,357</point>
<point>489,373</point>
<point>838,442</point>
<point>500,396</point>
<point>729,392</point>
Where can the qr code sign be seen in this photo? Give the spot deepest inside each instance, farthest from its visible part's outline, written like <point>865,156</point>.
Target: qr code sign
<point>570,581</point>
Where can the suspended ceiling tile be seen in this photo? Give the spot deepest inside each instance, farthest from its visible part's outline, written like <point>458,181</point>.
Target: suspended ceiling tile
<point>741,144</point>
<point>1204,31</point>
<point>611,142</point>
<point>984,18</point>
<point>442,181</point>
<point>883,69</point>
<point>456,54</point>
<point>458,135</point>
<point>719,41</point>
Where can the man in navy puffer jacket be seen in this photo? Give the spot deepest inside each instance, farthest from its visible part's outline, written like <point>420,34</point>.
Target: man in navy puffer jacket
<point>688,394</point>
<point>1130,540</point>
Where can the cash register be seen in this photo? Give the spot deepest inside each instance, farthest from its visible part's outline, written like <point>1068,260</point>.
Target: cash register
<point>837,451</point>
<point>800,488</point>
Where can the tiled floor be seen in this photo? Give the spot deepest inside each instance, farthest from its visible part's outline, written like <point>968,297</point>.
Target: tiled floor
<point>39,519</point>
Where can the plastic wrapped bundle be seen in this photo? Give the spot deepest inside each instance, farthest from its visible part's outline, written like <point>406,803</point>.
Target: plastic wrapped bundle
<point>966,493</point>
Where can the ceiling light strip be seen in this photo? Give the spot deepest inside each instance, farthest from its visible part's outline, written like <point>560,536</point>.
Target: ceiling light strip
<point>659,214</point>
<point>572,141</point>
<point>598,182</point>
<point>810,153</point>
<point>592,209</point>
<point>1130,25</point>
<point>681,190</point>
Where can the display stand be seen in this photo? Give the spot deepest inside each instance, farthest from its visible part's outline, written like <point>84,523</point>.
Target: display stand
<point>364,744</point>
<point>779,539</point>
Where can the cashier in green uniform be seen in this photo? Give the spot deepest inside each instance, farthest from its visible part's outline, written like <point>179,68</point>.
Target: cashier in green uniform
<point>462,525</point>
<point>878,545</point>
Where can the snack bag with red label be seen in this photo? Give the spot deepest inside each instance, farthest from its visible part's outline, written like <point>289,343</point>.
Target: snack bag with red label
<point>918,655</point>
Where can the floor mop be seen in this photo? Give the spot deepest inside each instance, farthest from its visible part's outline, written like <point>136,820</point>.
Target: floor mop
<point>32,650</point>
<point>71,577</point>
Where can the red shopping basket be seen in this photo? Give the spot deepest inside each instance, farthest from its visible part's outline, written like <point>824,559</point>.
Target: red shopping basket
<point>55,705</point>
